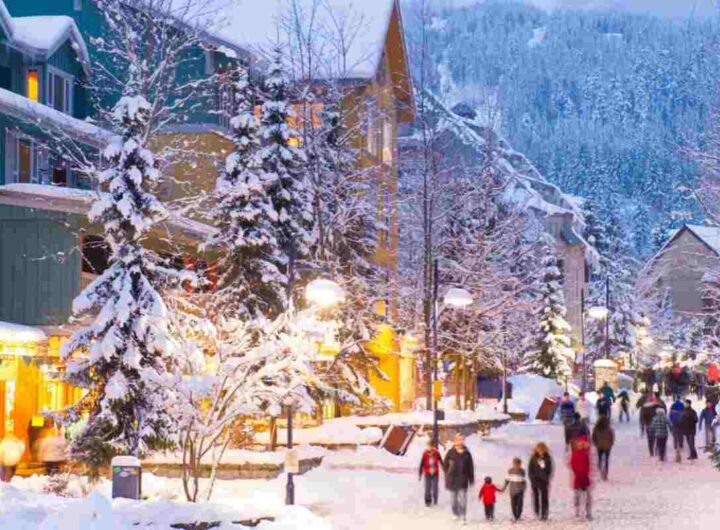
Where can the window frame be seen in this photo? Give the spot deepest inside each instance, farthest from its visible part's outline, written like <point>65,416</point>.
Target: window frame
<point>68,85</point>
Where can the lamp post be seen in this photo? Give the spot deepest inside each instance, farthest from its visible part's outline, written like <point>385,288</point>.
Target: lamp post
<point>607,318</point>
<point>455,297</point>
<point>322,293</point>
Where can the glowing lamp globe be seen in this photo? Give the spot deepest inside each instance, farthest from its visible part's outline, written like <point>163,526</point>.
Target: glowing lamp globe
<point>324,293</point>
<point>457,297</point>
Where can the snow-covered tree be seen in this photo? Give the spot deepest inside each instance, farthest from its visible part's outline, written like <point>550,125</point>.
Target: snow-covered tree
<point>283,162</point>
<point>250,282</point>
<point>552,355</point>
<point>124,356</point>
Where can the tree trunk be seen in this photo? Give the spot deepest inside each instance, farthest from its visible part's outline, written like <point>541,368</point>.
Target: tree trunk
<point>273,434</point>
<point>458,381</point>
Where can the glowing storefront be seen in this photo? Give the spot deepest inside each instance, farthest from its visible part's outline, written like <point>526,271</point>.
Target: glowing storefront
<point>30,382</point>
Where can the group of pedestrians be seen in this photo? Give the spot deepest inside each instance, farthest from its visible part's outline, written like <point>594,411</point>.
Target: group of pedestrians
<point>681,422</point>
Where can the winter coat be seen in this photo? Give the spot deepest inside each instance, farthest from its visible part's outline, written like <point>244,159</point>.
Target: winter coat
<point>567,411</point>
<point>624,400</point>
<point>676,411</point>
<point>713,374</point>
<point>707,416</point>
<point>603,439</point>
<point>660,426</point>
<point>430,463</point>
<point>487,494</point>
<point>540,469</point>
<point>53,449</point>
<point>575,429</point>
<point>603,406</point>
<point>580,463</point>
<point>647,412</point>
<point>608,393</point>
<point>459,470</point>
<point>583,408</point>
<point>516,480</point>
<point>688,422</point>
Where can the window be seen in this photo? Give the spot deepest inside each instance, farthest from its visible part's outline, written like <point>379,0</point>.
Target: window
<point>59,173</point>
<point>33,85</point>
<point>25,161</point>
<point>77,5</point>
<point>60,92</point>
<point>387,151</point>
<point>5,78</point>
<point>370,125</point>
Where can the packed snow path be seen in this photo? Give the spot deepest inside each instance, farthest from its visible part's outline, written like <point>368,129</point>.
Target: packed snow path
<point>641,493</point>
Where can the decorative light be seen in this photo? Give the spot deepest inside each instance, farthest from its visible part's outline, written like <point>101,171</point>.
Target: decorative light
<point>458,297</point>
<point>598,313</point>
<point>324,293</point>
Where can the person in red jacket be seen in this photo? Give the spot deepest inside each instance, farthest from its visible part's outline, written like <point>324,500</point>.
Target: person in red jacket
<point>487,496</point>
<point>580,465</point>
<point>430,465</point>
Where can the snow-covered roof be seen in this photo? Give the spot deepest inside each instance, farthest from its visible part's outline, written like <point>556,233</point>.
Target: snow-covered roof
<point>710,235</point>
<point>77,201</point>
<point>605,363</point>
<point>254,25</point>
<point>18,334</point>
<point>51,120</point>
<point>43,35</point>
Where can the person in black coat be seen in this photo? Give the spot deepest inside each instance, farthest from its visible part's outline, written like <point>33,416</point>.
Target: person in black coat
<point>459,476</point>
<point>688,428</point>
<point>540,471</point>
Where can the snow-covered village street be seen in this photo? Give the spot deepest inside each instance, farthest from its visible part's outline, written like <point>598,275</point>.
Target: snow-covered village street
<point>359,264</point>
<point>641,493</point>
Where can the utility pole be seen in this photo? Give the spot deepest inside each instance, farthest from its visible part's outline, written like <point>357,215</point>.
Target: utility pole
<point>435,286</point>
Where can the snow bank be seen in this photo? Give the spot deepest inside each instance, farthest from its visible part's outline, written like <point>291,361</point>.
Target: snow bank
<point>243,456</point>
<point>529,391</point>
<point>26,507</point>
<point>332,432</point>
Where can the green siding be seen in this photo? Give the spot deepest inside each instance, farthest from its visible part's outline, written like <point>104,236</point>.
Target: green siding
<point>39,266</point>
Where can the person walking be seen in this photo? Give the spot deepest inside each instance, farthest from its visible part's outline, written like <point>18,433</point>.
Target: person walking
<point>708,417</point>
<point>459,476</point>
<point>567,412</point>
<point>515,480</point>
<point>603,438</point>
<point>603,406</point>
<point>488,497</point>
<point>580,466</point>
<point>609,395</point>
<point>583,408</point>
<point>660,428</point>
<point>575,428</point>
<point>676,411</point>
<point>624,406</point>
<point>688,427</point>
<point>53,452</point>
<point>430,465</point>
<point>647,414</point>
<point>11,452</point>
<point>540,472</point>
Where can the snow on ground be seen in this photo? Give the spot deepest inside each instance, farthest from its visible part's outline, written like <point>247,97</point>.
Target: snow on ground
<point>529,391</point>
<point>243,456</point>
<point>642,493</point>
<point>341,431</point>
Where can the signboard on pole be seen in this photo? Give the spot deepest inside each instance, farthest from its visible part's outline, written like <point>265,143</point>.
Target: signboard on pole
<point>292,461</point>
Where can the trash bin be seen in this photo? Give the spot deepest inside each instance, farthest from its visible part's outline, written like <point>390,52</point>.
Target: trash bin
<point>126,477</point>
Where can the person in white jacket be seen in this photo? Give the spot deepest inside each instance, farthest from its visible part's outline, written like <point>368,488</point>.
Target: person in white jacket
<point>583,407</point>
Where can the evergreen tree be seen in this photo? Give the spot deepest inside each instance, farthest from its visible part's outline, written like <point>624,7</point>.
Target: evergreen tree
<point>250,282</point>
<point>552,355</point>
<point>125,355</point>
<point>283,162</point>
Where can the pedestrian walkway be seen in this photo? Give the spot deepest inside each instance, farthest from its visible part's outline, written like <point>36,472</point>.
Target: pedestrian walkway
<point>641,494</point>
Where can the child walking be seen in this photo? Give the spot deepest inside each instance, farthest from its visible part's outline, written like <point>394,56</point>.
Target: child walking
<point>516,480</point>
<point>430,465</point>
<point>487,496</point>
<point>580,466</point>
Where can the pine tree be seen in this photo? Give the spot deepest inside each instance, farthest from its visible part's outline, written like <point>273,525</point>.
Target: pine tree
<point>250,282</point>
<point>552,355</point>
<point>125,355</point>
<point>283,162</point>
<point>594,232</point>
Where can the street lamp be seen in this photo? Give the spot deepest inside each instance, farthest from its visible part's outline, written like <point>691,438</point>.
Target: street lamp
<point>322,293</point>
<point>455,297</point>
